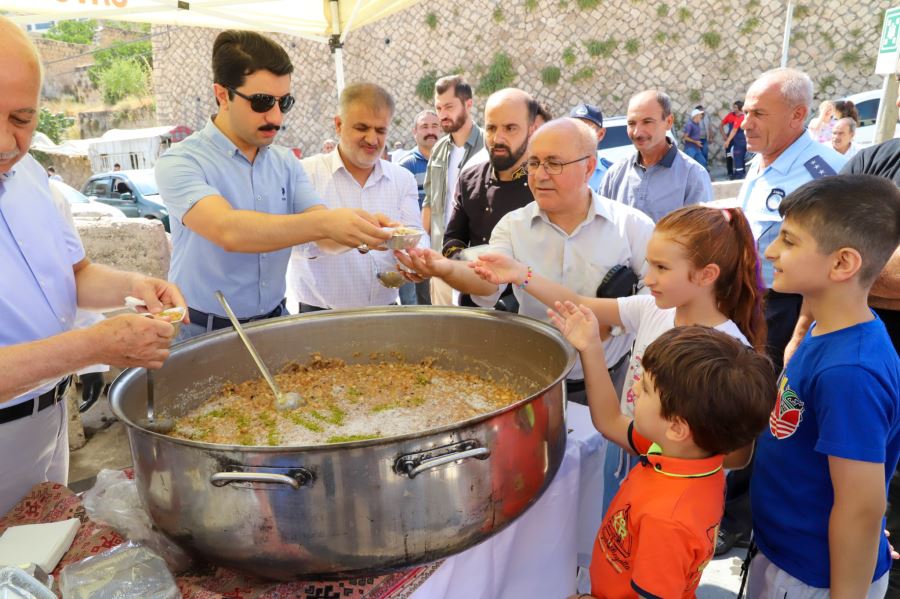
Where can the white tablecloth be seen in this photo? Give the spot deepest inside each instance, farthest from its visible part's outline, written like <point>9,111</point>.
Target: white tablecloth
<point>537,555</point>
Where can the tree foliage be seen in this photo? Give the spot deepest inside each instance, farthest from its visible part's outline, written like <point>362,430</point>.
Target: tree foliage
<point>138,52</point>
<point>53,124</point>
<point>72,32</point>
<point>124,78</point>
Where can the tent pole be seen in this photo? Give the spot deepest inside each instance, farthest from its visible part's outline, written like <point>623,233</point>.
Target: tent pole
<point>337,45</point>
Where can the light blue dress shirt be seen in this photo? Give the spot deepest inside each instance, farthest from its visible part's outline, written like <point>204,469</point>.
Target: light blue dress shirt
<point>764,188</point>
<point>37,252</point>
<point>673,182</point>
<point>208,163</point>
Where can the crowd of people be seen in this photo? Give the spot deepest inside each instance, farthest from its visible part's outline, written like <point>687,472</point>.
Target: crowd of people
<point>683,314</point>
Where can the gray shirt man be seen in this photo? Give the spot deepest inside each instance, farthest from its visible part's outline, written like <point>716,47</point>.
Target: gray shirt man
<point>673,182</point>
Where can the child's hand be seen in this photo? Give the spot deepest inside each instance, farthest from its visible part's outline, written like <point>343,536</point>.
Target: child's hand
<point>499,269</point>
<point>577,323</point>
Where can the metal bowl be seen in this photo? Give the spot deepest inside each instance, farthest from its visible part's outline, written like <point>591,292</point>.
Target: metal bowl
<point>404,239</point>
<point>358,508</point>
<point>391,279</point>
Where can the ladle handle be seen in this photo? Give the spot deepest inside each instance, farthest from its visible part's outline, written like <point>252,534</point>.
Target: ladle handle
<point>240,331</point>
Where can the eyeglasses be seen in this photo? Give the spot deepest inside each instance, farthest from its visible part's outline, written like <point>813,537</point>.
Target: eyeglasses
<point>266,102</point>
<point>553,167</point>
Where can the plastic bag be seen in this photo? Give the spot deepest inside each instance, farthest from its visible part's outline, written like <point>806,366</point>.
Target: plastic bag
<point>125,572</point>
<point>114,500</point>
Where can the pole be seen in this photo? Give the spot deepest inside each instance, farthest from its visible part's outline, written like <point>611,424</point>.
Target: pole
<point>786,42</point>
<point>337,46</point>
<point>886,121</point>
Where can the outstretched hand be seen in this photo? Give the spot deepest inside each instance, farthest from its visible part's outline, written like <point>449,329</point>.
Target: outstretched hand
<point>499,269</point>
<point>577,323</point>
<point>425,262</point>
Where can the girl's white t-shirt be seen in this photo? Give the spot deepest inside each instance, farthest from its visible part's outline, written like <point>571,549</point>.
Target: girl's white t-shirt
<point>641,317</point>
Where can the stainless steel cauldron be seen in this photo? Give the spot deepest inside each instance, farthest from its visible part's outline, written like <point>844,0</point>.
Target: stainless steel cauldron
<point>356,508</point>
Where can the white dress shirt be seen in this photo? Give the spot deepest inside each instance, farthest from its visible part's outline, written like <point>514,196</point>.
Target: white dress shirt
<point>348,280</point>
<point>611,233</point>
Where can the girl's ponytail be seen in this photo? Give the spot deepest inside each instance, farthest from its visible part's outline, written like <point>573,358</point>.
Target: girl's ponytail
<point>722,236</point>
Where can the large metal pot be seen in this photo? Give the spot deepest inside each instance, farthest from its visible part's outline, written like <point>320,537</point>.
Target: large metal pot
<point>356,508</point>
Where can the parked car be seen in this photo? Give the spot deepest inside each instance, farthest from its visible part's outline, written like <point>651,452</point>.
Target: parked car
<point>133,192</point>
<point>80,204</point>
<point>867,105</point>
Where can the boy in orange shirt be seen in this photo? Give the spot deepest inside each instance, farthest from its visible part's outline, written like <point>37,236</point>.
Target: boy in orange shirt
<point>702,394</point>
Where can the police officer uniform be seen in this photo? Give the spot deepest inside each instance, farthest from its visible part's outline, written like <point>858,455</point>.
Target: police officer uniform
<point>589,112</point>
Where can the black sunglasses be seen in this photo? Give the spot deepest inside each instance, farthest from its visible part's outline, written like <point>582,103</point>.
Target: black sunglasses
<point>266,102</point>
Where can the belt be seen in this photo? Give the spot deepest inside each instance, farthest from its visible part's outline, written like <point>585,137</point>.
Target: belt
<point>44,401</point>
<point>203,318</point>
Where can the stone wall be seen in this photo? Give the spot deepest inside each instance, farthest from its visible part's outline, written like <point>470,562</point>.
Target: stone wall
<point>700,52</point>
<point>65,65</point>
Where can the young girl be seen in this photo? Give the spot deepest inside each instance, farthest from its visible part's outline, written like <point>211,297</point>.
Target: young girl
<point>702,268</point>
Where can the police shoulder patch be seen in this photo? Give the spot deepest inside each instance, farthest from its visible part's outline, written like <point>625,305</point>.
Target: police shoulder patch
<point>818,168</point>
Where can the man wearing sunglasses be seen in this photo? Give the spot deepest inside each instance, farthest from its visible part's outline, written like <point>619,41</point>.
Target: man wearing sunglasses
<point>238,203</point>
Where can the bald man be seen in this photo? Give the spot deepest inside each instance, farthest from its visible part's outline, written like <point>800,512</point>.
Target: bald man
<point>46,276</point>
<point>488,191</point>
<point>657,178</point>
<point>568,234</point>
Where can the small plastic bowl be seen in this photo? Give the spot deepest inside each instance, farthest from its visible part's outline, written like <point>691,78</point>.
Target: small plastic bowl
<point>404,238</point>
<point>391,279</point>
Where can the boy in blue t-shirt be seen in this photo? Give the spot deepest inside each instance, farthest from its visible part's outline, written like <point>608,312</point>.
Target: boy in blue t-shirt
<point>818,488</point>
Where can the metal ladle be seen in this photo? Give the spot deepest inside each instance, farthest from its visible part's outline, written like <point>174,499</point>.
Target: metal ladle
<point>284,402</point>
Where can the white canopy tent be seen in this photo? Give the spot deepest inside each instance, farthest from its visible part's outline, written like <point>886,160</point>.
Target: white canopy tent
<point>323,21</point>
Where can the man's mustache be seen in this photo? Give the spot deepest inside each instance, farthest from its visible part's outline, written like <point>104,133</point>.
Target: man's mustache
<point>270,128</point>
<point>434,137</point>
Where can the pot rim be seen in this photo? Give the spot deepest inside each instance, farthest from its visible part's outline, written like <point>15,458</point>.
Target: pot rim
<point>479,313</point>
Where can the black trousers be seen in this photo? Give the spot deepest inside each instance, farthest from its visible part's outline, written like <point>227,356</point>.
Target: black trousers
<point>891,319</point>
<point>782,312</point>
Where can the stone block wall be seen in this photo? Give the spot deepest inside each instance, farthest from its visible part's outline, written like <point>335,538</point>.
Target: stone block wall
<point>700,52</point>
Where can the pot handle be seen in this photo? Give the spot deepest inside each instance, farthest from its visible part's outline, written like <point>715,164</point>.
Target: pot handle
<point>478,452</point>
<point>220,479</point>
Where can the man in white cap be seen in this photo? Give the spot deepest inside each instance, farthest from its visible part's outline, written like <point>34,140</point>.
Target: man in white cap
<point>693,145</point>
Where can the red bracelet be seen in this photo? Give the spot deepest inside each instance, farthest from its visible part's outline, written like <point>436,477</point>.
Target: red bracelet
<point>528,276</point>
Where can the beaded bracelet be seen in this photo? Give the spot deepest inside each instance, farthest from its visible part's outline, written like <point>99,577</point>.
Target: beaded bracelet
<point>528,276</point>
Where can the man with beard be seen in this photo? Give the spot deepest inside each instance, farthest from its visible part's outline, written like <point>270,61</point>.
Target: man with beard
<point>354,176</point>
<point>487,192</point>
<point>237,203</point>
<point>453,103</point>
<point>426,131</point>
<point>658,177</point>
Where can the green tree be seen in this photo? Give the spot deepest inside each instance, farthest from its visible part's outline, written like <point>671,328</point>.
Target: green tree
<point>140,52</point>
<point>122,79</point>
<point>73,32</point>
<point>53,124</point>
<point>425,86</point>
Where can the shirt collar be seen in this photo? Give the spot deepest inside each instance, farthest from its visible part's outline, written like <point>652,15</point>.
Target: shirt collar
<point>221,141</point>
<point>680,467</point>
<point>474,136</point>
<point>597,208</point>
<point>667,160</point>
<point>337,163</point>
<point>785,162</point>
